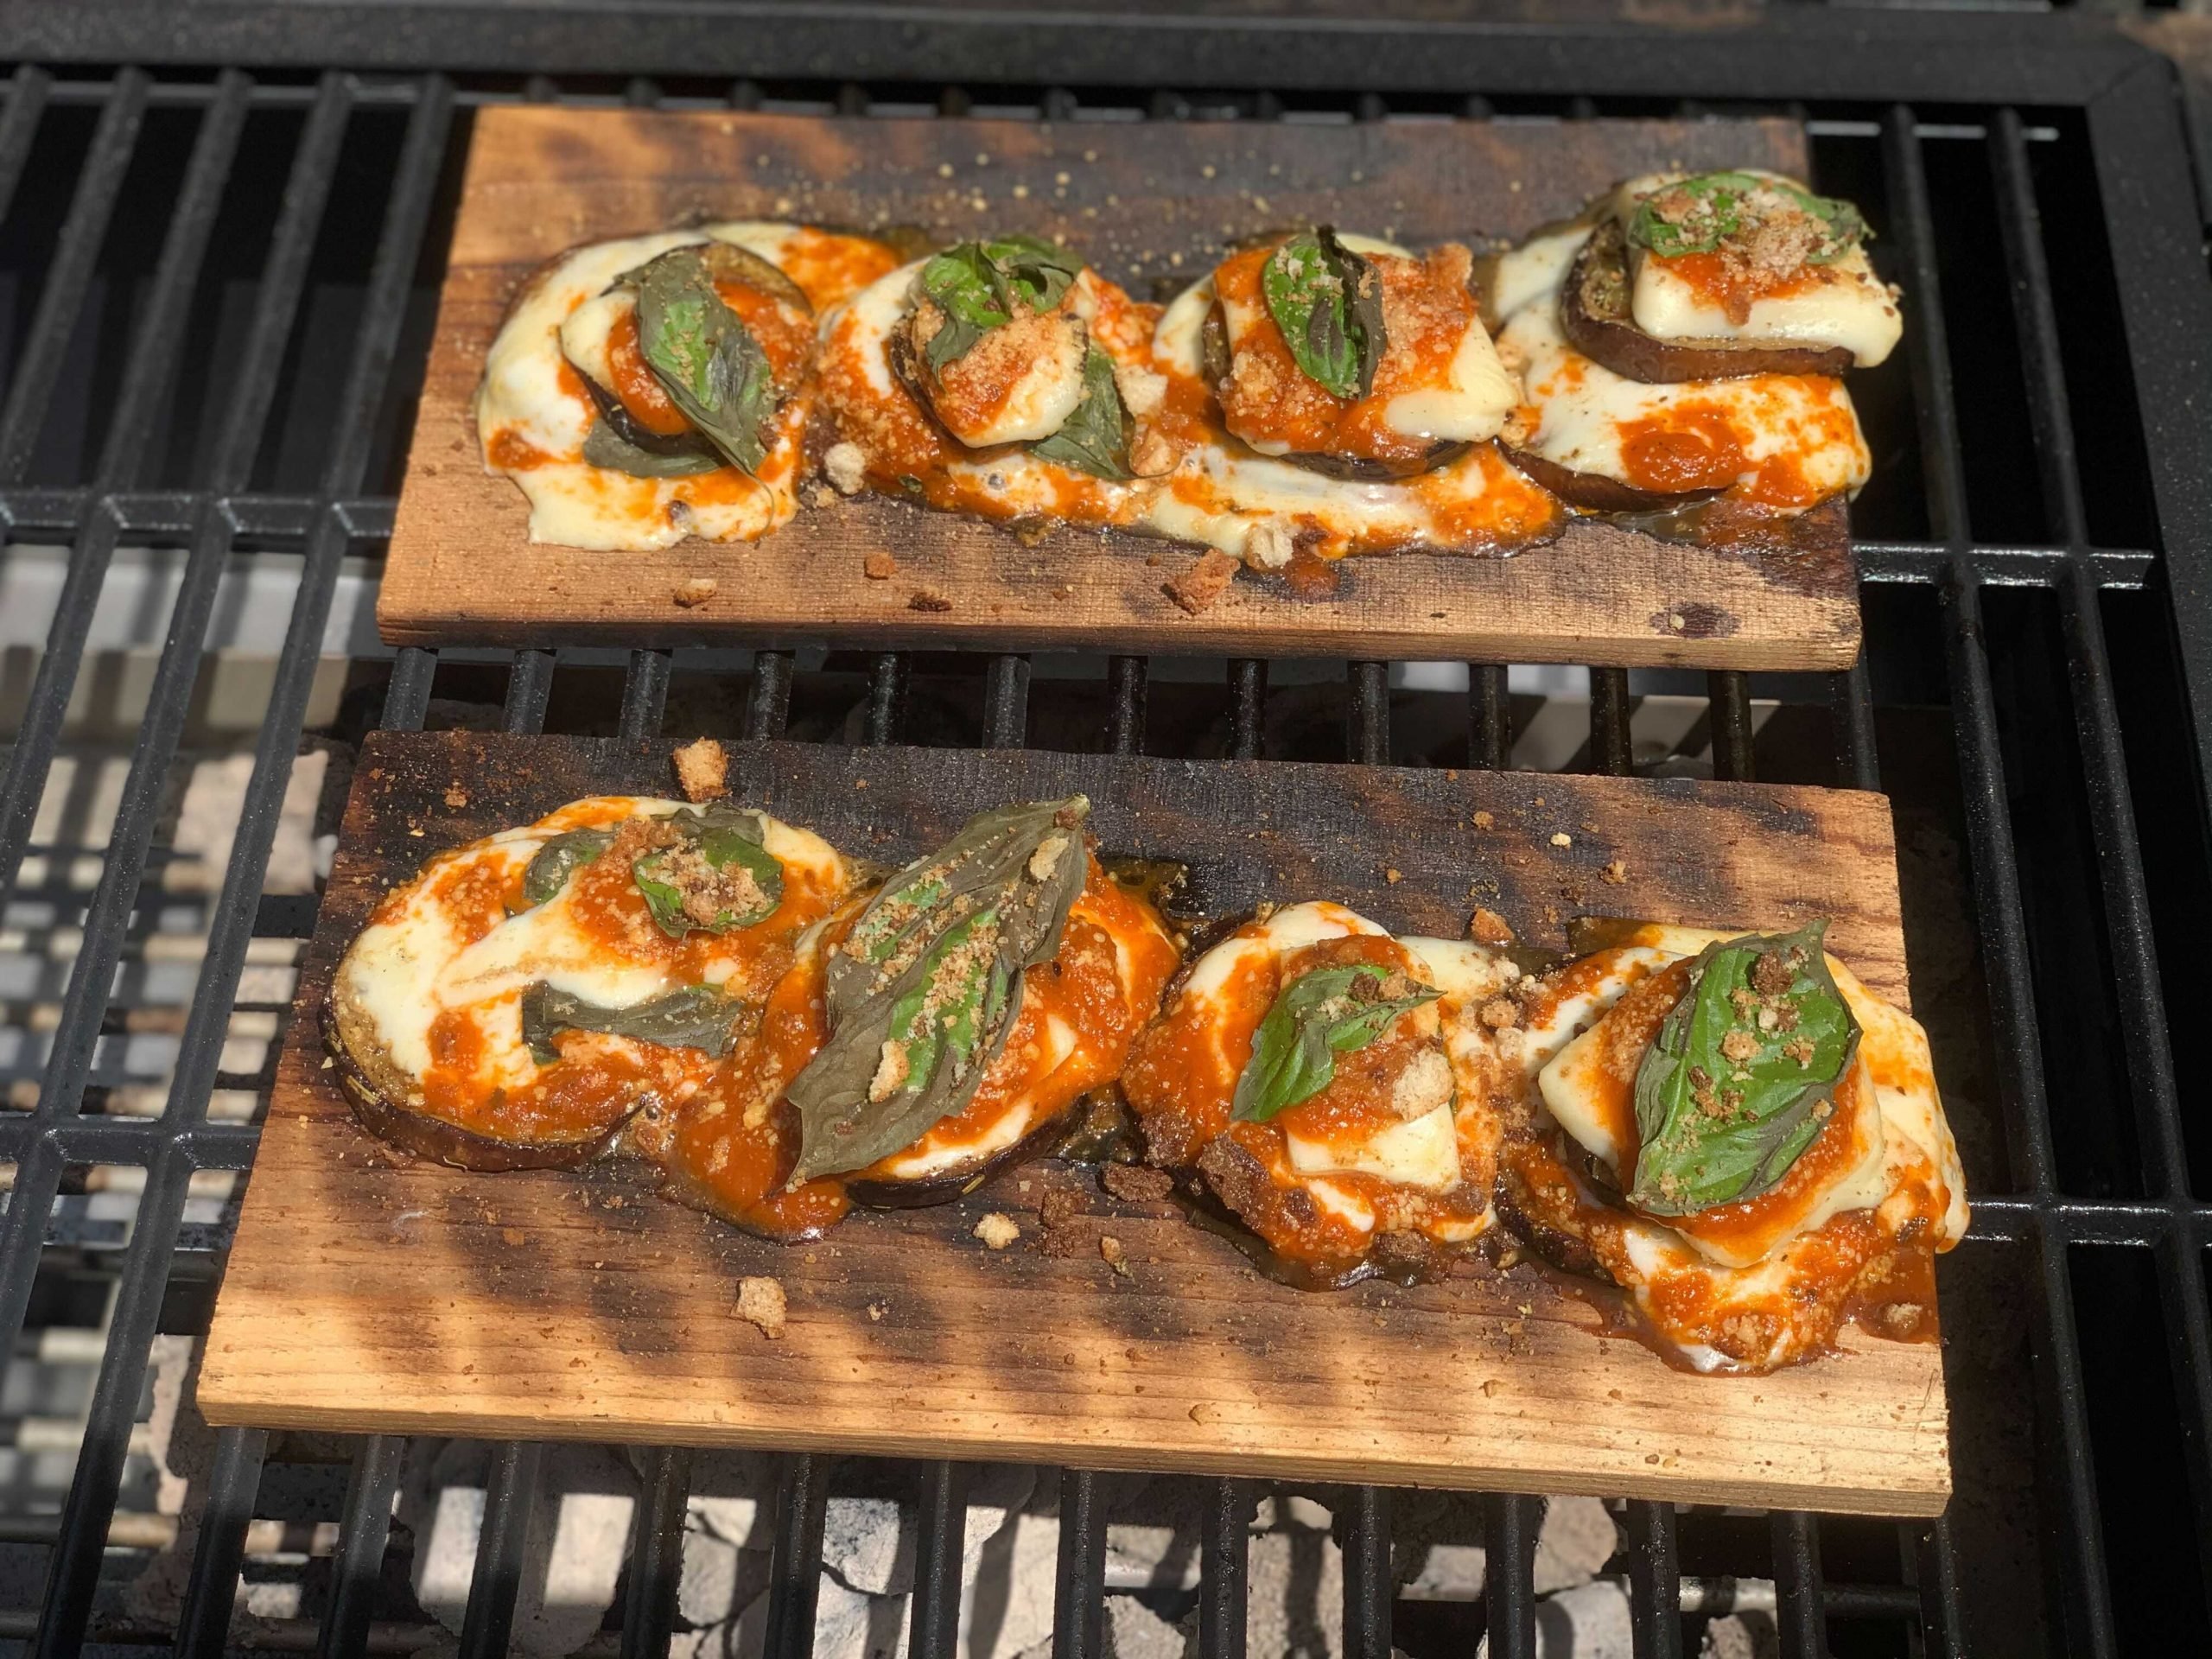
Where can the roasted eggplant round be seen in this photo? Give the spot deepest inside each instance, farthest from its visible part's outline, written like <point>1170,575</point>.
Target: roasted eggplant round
<point>523,997</point>
<point>1595,316</point>
<point>1337,1090</point>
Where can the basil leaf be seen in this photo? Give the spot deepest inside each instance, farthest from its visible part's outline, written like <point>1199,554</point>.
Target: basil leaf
<point>559,858</point>
<point>1095,437</point>
<point>1318,1016</point>
<point>697,1016</point>
<point>925,987</point>
<point>703,356</point>
<point>978,286</point>
<point>1743,1073</point>
<point>720,858</point>
<point>605,446</point>
<point>1328,303</point>
<point>1720,204</point>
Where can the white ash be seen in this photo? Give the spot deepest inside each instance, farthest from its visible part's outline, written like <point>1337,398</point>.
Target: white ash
<point>1588,1622</point>
<point>1577,1538</point>
<point>573,1543</point>
<point>1742,1636</point>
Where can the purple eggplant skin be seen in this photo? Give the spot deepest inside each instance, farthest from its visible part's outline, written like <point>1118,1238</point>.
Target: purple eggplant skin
<point>372,1099</point>
<point>1593,314</point>
<point>1593,492</point>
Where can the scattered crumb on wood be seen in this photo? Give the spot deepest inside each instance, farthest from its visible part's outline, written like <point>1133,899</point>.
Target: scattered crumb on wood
<point>1483,820</point>
<point>1139,1183</point>
<point>997,1230</point>
<point>879,566</point>
<point>696,590</point>
<point>1616,871</point>
<point>1116,1257</point>
<point>1198,588</point>
<point>924,600</point>
<point>761,1302</point>
<point>1488,927</point>
<point>456,797</point>
<point>877,1310</point>
<point>1491,1387</point>
<point>702,770</point>
<point>1560,838</point>
<point>1393,877</point>
<point>1057,1214</point>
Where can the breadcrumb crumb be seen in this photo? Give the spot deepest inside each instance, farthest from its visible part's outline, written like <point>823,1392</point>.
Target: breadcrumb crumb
<point>997,1230</point>
<point>702,770</point>
<point>695,591</point>
<point>761,1302</point>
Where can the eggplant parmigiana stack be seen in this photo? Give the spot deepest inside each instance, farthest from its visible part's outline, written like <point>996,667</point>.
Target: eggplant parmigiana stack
<point>926,1036</point>
<point>1317,395</point>
<point>523,997</point>
<point>1739,1133</point>
<point>654,388</point>
<point>1336,1089</point>
<point>1682,340</point>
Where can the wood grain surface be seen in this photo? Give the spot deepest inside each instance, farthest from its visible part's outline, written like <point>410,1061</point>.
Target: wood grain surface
<point>366,1291</point>
<point>1152,205</point>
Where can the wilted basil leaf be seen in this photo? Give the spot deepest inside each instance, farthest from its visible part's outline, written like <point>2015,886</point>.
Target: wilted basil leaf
<point>559,858</point>
<point>1742,1074</point>
<point>1318,1016</point>
<point>605,446</point>
<point>704,356</point>
<point>1697,214</point>
<point>1095,438</point>
<point>978,285</point>
<point>721,850</point>
<point>1328,303</point>
<point>925,985</point>
<point>697,1016</point>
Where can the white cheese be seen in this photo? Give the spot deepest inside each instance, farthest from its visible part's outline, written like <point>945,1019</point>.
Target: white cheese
<point>1586,414</point>
<point>1039,402</point>
<point>1537,269</point>
<point>1422,1153</point>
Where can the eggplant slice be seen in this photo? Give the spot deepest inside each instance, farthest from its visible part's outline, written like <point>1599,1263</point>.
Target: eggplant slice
<point>1594,491</point>
<point>386,1105</point>
<point>1594,315</point>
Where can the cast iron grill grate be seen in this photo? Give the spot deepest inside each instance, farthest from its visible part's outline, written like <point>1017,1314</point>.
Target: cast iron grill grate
<point>214,295</point>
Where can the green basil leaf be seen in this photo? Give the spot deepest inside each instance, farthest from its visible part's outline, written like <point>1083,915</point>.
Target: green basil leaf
<point>697,1016</point>
<point>1328,303</point>
<point>1720,205</point>
<point>605,446</point>
<point>720,855</point>
<point>978,285</point>
<point>1095,438</point>
<point>704,356</point>
<point>559,858</point>
<point>1318,1016</point>
<point>1743,1073</point>
<point>925,987</point>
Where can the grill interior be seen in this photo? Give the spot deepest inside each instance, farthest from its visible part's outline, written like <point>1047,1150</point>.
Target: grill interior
<point>216,290</point>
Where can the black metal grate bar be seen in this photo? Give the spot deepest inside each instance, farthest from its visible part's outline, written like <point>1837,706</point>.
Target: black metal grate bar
<point>940,1540</point>
<point>489,1624</point>
<point>1079,1591</point>
<point>657,1555</point>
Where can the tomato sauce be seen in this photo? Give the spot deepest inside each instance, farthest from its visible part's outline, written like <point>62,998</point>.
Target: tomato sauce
<point>1733,286</point>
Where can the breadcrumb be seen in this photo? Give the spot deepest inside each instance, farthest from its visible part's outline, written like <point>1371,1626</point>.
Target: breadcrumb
<point>1488,927</point>
<point>695,591</point>
<point>879,566</point>
<point>997,1230</point>
<point>1205,582</point>
<point>845,465</point>
<point>923,600</point>
<point>702,770</point>
<point>761,1302</point>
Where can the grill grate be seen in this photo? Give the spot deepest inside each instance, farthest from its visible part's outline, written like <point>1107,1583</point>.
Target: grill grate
<point>2035,559</point>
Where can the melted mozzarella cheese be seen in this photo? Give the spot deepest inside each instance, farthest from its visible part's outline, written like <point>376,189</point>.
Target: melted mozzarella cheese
<point>1840,304</point>
<point>938,1154</point>
<point>1042,396</point>
<point>1290,928</point>
<point>1423,1153</point>
<point>1535,269</point>
<point>531,421</point>
<point>1590,419</point>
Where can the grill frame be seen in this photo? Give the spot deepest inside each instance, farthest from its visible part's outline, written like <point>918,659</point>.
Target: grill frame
<point>2153,216</point>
